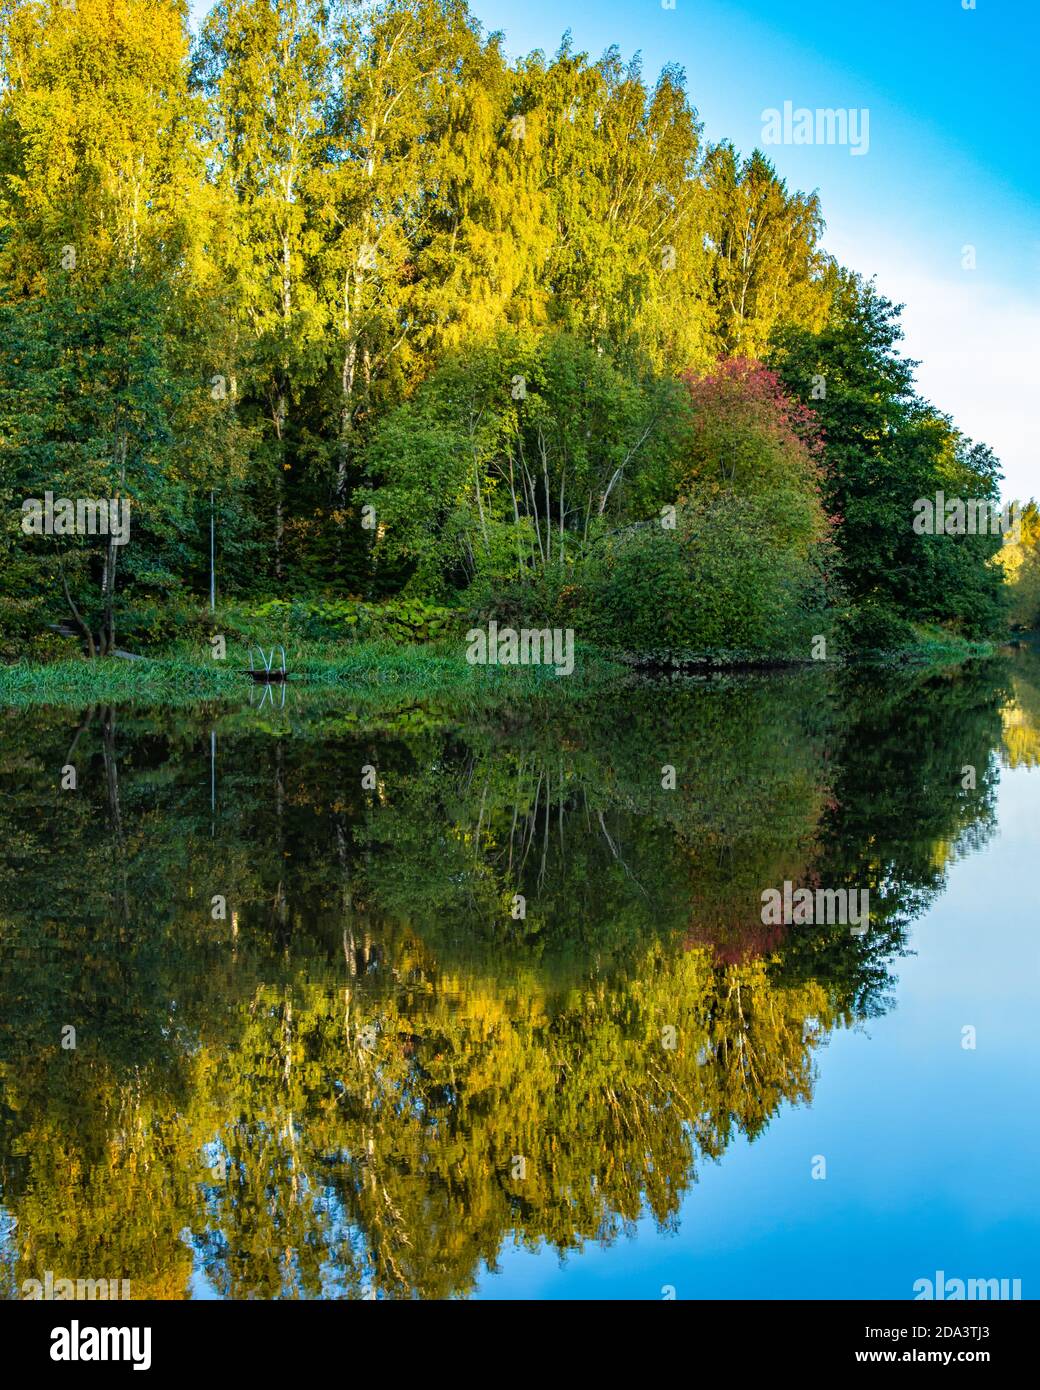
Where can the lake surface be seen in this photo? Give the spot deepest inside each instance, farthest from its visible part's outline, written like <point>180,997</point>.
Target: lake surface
<point>454,1010</point>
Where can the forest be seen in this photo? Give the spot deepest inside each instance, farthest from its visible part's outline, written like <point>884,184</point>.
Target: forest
<point>422,336</point>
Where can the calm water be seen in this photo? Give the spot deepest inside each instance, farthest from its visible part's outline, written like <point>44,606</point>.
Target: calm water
<point>487,1010</point>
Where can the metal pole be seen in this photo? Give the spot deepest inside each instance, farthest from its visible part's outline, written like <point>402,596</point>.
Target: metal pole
<point>212,559</point>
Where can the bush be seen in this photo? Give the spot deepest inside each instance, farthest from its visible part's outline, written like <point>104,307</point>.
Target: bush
<point>539,598</point>
<point>872,626</point>
<point>719,582</point>
<point>405,620</point>
<point>144,625</point>
<point>22,621</point>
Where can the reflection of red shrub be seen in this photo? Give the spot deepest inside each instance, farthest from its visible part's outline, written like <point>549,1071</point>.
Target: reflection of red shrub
<point>733,942</point>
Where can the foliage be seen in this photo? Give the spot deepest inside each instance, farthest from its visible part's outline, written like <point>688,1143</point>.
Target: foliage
<point>885,449</point>
<point>872,627</point>
<point>396,620</point>
<point>512,455</point>
<point>1020,560</point>
<point>322,1092</point>
<point>423,319</point>
<point>720,581</point>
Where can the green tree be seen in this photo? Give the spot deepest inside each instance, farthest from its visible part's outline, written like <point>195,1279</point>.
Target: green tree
<point>264,68</point>
<point>512,457</point>
<point>885,449</point>
<point>1020,560</point>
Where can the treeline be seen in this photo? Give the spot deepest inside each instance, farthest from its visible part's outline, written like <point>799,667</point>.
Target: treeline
<point>506,334</point>
<point>1020,558</point>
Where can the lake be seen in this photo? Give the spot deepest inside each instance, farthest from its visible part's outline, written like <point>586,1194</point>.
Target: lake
<point>295,1005</point>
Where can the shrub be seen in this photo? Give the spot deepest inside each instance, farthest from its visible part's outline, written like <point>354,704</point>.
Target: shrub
<point>872,626</point>
<point>397,620</point>
<point>720,581</point>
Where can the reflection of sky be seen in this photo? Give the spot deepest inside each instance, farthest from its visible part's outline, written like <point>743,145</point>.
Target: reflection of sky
<point>932,1151</point>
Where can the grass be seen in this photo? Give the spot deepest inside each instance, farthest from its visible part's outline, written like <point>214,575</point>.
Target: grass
<point>933,647</point>
<point>375,676</point>
<point>372,674</point>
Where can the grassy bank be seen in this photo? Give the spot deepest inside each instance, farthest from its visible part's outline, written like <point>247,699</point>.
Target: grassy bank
<point>389,676</point>
<point>370,674</point>
<point>933,647</point>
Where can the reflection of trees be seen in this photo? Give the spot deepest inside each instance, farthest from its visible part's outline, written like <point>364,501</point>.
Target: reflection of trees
<point>899,813</point>
<point>366,1138</point>
<point>578,823</point>
<point>1021,714</point>
<point>329,1088</point>
<point>411,1138</point>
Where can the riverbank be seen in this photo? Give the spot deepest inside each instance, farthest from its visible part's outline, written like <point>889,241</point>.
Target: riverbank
<point>370,673</point>
<point>385,674</point>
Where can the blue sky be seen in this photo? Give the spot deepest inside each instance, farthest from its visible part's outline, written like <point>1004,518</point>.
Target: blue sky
<point>950,161</point>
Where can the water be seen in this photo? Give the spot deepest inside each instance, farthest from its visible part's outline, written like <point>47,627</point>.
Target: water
<point>489,1010</point>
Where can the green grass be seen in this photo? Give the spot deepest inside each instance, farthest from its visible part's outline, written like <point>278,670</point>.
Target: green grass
<point>378,677</point>
<point>373,674</point>
<point>933,646</point>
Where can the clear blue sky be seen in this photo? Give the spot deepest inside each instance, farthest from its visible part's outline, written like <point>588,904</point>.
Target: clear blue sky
<point>950,161</point>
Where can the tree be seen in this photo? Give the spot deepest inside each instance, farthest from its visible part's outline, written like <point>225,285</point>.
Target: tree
<point>89,399</point>
<point>743,560</point>
<point>768,269</point>
<point>103,396</point>
<point>511,458</point>
<point>885,449</point>
<point>1020,560</point>
<point>263,66</point>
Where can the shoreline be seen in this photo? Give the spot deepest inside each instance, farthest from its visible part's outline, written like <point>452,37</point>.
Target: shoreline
<point>387,674</point>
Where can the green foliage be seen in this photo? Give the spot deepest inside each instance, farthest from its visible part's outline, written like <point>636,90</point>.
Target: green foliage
<point>1020,561</point>
<point>396,620</point>
<point>511,456</point>
<point>885,449</point>
<point>873,627</point>
<point>721,581</point>
<point>324,259</point>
